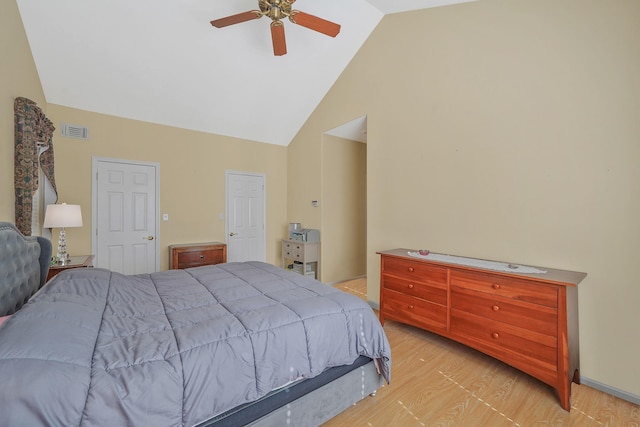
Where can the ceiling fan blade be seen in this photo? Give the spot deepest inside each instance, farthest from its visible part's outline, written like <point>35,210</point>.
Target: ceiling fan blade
<point>277,37</point>
<point>236,19</point>
<point>314,23</point>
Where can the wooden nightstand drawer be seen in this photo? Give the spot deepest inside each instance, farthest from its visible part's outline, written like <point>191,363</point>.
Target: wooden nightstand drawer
<point>196,254</point>
<point>196,258</point>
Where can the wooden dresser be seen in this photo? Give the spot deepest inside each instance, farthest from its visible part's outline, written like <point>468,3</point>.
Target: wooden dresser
<point>188,255</point>
<point>529,321</point>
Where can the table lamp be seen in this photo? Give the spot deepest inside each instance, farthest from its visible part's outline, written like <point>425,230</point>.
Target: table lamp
<point>62,216</point>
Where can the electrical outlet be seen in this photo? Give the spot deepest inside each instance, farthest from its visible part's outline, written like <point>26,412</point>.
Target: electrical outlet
<point>165,217</point>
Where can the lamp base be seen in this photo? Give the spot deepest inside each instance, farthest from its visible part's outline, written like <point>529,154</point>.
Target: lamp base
<point>62,255</point>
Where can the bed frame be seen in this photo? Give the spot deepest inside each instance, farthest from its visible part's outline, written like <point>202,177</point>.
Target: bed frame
<point>24,263</point>
<point>307,403</point>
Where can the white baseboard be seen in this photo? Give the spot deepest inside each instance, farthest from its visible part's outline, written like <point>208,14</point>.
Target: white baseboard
<point>345,280</point>
<point>610,390</point>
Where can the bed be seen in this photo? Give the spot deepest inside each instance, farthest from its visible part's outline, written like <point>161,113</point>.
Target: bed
<point>226,345</point>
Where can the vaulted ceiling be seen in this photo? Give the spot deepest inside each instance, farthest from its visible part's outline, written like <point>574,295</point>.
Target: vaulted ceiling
<point>161,61</point>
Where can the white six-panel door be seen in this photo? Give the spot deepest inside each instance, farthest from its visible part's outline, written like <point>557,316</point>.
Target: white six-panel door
<point>125,216</point>
<point>245,194</point>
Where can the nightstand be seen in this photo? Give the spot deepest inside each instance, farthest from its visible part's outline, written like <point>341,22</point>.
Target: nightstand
<point>81,261</point>
<point>305,257</point>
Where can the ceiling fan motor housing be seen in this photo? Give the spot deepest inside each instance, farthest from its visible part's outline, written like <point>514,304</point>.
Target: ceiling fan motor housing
<point>275,9</point>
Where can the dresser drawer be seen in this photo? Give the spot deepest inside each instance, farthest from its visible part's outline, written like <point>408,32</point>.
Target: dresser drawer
<point>415,311</point>
<point>434,292</point>
<point>414,271</point>
<point>293,247</point>
<point>525,315</point>
<point>509,287</point>
<point>197,258</point>
<point>293,254</point>
<point>188,255</point>
<point>497,336</point>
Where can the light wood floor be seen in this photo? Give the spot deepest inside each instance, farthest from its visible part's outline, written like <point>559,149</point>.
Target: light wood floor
<point>437,382</point>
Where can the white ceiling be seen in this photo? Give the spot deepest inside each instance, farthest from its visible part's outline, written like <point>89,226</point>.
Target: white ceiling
<point>161,61</point>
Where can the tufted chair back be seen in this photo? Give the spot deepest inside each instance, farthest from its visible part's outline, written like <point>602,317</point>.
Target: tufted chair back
<point>24,264</point>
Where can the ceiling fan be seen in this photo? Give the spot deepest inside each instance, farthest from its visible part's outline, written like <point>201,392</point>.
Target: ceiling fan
<point>277,10</point>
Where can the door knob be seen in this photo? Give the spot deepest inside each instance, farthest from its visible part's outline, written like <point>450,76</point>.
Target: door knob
<point>148,237</point>
<point>233,234</point>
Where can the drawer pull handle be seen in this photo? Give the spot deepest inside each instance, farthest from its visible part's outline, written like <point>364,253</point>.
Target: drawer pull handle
<point>410,269</point>
<point>495,286</point>
<point>495,308</point>
<point>410,307</point>
<point>410,286</point>
<point>201,256</point>
<point>495,335</point>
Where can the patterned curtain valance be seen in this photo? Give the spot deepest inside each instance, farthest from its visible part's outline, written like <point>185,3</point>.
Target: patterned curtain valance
<point>33,131</point>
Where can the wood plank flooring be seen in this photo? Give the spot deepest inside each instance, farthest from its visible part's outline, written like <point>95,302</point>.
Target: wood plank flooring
<point>438,382</point>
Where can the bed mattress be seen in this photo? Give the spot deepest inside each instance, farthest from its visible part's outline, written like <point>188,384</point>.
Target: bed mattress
<point>174,348</point>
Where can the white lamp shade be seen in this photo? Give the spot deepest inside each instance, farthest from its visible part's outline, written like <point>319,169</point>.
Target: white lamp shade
<point>58,216</point>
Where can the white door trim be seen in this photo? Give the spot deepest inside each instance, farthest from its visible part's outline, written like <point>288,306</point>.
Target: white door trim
<point>94,200</point>
<point>227,173</point>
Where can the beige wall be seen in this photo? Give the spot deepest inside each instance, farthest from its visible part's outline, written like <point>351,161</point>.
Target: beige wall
<point>192,175</point>
<point>308,183</point>
<point>344,209</point>
<point>18,77</point>
<point>506,130</point>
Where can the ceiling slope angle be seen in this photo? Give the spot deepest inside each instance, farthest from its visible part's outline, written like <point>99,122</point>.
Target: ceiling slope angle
<point>354,130</point>
<point>161,61</point>
<point>396,6</point>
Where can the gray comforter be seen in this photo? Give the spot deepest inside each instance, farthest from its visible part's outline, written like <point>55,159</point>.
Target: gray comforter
<point>174,348</point>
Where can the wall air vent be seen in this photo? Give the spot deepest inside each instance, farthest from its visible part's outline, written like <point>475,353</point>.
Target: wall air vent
<point>74,131</point>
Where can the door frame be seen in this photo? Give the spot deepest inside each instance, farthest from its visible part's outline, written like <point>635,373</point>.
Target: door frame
<point>95,161</point>
<point>228,173</point>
